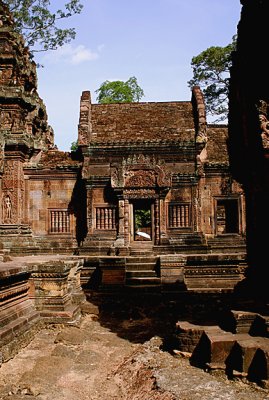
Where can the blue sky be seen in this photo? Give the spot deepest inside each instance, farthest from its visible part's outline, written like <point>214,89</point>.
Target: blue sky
<point>153,40</point>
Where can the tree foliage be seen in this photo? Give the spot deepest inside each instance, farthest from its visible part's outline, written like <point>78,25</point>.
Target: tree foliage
<point>211,71</point>
<point>119,92</point>
<point>38,22</point>
<point>74,146</point>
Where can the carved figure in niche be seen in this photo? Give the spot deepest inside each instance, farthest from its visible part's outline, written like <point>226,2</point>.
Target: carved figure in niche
<point>6,120</point>
<point>264,123</point>
<point>50,138</point>
<point>7,209</point>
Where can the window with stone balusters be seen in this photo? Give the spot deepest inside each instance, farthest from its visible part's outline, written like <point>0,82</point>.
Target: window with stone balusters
<point>59,221</point>
<point>179,215</point>
<point>105,218</point>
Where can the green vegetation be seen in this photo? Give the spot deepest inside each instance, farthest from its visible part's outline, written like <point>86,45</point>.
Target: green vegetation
<point>119,92</point>
<point>37,21</point>
<point>142,219</point>
<point>74,146</point>
<point>211,71</point>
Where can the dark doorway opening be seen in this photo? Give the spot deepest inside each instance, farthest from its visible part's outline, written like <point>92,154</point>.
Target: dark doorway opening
<point>227,216</point>
<point>142,220</point>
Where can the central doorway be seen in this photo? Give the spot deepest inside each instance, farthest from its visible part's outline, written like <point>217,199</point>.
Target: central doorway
<point>142,221</point>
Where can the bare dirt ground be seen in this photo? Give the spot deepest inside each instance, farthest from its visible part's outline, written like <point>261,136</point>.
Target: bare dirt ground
<point>113,356</point>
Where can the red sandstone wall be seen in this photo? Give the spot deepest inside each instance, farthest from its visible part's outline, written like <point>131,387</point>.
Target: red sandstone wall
<point>46,194</point>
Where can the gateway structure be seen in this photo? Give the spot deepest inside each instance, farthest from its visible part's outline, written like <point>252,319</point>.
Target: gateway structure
<point>148,180</point>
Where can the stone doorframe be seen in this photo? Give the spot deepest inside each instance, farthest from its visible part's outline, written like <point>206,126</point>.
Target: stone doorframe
<point>140,177</point>
<point>126,198</point>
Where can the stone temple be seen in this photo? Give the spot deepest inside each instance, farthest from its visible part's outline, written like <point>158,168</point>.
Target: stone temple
<point>147,202</point>
<point>148,179</point>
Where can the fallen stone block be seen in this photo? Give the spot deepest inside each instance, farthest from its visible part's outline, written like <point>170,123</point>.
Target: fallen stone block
<point>188,335</point>
<point>258,370</point>
<point>242,354</point>
<point>213,349</point>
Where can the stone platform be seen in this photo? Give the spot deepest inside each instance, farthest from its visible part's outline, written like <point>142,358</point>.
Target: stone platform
<point>35,290</point>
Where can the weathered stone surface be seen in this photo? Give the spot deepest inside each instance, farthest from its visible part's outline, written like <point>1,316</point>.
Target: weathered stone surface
<point>101,362</point>
<point>248,136</point>
<point>34,290</point>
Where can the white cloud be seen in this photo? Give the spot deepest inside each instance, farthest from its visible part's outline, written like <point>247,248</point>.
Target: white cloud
<point>72,55</point>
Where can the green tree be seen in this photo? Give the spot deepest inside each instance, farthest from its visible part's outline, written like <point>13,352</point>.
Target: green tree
<point>37,21</point>
<point>119,92</point>
<point>74,146</point>
<point>211,71</point>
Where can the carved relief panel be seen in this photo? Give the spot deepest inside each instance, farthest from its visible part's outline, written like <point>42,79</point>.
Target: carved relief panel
<point>12,192</point>
<point>12,120</point>
<point>140,171</point>
<point>263,109</point>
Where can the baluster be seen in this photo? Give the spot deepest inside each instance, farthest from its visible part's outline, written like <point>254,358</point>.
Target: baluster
<point>98,218</point>
<point>187,215</point>
<point>182,216</point>
<point>110,218</point>
<point>52,222</point>
<point>106,218</point>
<point>60,221</point>
<point>68,221</point>
<point>102,218</point>
<point>174,216</point>
<point>114,218</point>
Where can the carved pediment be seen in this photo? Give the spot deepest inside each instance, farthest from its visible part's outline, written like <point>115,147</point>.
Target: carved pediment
<point>140,178</point>
<point>140,171</point>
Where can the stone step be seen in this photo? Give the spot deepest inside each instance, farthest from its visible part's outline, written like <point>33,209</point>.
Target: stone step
<point>143,280</point>
<point>141,259</point>
<point>227,242</point>
<point>140,253</point>
<point>141,267</point>
<point>139,273</point>
<point>144,288</point>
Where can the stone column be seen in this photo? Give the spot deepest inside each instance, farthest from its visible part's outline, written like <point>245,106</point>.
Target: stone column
<point>196,210</point>
<point>121,220</point>
<point>163,223</point>
<point>126,223</point>
<point>90,216</point>
<point>157,221</point>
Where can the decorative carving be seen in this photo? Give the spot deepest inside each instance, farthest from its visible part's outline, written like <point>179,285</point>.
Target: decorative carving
<point>13,188</point>
<point>157,221</point>
<point>7,209</point>
<point>85,169</point>
<point>126,222</point>
<point>163,177</point>
<point>140,170</point>
<point>140,178</point>
<point>198,100</point>
<point>226,185</point>
<point>140,194</point>
<point>22,110</point>
<point>264,124</point>
<point>84,128</point>
<point>116,177</point>
<point>139,159</point>
<point>263,109</point>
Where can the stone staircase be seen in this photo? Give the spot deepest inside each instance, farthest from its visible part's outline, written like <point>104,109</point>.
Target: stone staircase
<point>142,273</point>
<point>141,248</point>
<point>227,244</point>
